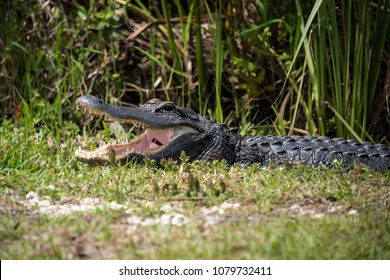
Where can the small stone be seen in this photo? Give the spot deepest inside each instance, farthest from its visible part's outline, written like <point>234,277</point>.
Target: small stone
<point>165,219</point>
<point>211,211</point>
<point>44,203</point>
<point>352,212</point>
<point>213,219</point>
<point>336,208</point>
<point>32,196</point>
<point>167,207</point>
<point>149,203</point>
<point>115,205</point>
<point>90,201</point>
<point>228,205</point>
<point>295,208</point>
<point>150,221</point>
<point>179,219</point>
<point>318,215</point>
<point>133,220</point>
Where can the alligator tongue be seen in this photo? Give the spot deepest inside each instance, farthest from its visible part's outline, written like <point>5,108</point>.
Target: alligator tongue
<point>158,138</point>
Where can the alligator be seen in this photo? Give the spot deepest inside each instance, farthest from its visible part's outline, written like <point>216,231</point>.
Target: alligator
<point>170,130</point>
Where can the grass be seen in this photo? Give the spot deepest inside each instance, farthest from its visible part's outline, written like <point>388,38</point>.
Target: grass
<point>188,211</point>
<point>229,67</point>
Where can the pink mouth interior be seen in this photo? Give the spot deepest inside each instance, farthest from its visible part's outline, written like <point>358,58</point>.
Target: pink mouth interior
<point>152,140</point>
<point>149,140</point>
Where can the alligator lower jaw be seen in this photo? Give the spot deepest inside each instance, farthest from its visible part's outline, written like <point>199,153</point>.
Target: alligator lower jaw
<point>151,141</point>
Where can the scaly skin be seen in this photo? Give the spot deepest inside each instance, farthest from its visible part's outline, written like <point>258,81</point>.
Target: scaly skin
<point>172,130</point>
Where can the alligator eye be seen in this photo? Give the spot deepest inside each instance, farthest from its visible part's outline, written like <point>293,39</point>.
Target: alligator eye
<point>168,107</point>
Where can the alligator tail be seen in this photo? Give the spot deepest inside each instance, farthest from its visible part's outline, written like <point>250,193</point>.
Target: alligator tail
<point>314,151</point>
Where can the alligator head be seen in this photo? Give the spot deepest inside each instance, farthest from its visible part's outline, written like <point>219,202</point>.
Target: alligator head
<point>169,131</point>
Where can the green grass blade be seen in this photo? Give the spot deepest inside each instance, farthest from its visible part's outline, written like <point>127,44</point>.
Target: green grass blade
<point>312,15</point>
<point>219,67</point>
<point>199,57</point>
<point>341,119</point>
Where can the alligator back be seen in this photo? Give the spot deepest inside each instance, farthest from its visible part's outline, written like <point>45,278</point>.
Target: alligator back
<point>313,151</point>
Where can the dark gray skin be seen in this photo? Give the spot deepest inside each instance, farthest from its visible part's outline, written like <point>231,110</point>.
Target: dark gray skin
<point>205,140</point>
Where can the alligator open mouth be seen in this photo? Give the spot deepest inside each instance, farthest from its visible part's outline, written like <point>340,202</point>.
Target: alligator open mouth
<point>151,141</point>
